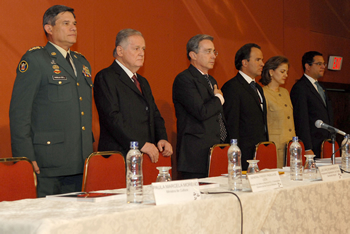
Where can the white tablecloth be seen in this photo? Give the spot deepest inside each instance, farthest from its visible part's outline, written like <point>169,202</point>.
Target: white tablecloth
<point>299,207</point>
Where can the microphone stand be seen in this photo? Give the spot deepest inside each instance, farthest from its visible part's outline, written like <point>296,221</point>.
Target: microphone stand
<point>333,147</point>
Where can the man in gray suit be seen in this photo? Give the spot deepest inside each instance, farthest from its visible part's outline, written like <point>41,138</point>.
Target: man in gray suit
<point>50,111</point>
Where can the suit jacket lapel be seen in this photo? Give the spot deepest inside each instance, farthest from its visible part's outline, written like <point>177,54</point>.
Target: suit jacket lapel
<point>313,90</point>
<point>125,78</point>
<point>58,58</point>
<point>195,73</point>
<point>247,87</point>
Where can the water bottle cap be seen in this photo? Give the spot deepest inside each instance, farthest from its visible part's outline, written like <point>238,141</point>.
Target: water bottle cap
<point>134,144</point>
<point>233,141</point>
<point>295,138</point>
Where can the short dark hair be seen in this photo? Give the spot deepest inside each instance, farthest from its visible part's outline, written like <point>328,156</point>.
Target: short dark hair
<point>50,15</point>
<point>123,35</point>
<point>308,58</point>
<point>273,63</point>
<point>244,53</point>
<point>193,43</point>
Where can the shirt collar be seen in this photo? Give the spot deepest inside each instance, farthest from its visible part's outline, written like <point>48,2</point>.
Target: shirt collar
<point>246,77</point>
<point>312,80</point>
<point>60,49</point>
<point>127,71</point>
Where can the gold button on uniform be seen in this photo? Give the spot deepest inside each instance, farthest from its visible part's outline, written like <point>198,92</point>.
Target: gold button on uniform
<point>82,113</point>
<point>77,84</point>
<point>83,128</point>
<point>59,82</point>
<point>49,142</point>
<point>80,98</point>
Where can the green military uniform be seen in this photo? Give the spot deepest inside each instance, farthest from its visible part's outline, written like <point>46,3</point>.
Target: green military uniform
<point>51,111</point>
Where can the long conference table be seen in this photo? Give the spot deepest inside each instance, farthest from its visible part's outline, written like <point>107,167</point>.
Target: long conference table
<point>298,207</point>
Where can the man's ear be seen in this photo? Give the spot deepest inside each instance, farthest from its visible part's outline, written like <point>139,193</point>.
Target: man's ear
<point>120,50</point>
<point>307,67</point>
<point>244,62</point>
<point>193,55</point>
<point>48,29</point>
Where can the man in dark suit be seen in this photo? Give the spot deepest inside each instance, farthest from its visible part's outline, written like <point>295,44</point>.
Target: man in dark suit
<point>198,106</point>
<point>245,105</point>
<point>311,103</point>
<point>125,103</point>
<point>50,111</point>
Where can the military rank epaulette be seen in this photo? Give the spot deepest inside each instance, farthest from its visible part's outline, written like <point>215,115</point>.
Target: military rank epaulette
<point>79,53</point>
<point>35,48</point>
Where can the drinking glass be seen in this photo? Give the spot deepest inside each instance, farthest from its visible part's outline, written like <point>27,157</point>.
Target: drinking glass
<point>253,167</point>
<point>310,171</point>
<point>164,174</point>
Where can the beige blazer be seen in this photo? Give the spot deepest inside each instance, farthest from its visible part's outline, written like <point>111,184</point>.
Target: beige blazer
<point>280,121</point>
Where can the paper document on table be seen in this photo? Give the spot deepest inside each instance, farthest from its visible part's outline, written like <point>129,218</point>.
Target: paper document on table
<point>87,197</point>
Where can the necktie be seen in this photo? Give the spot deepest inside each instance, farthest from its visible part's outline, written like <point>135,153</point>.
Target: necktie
<point>136,82</point>
<point>68,60</point>
<point>321,92</point>
<point>253,86</point>
<point>223,132</point>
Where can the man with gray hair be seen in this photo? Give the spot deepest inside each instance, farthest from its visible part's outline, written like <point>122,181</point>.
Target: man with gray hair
<point>198,106</point>
<point>125,104</point>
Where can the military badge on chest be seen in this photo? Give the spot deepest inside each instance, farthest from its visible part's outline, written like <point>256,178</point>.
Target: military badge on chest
<point>86,71</point>
<point>56,69</point>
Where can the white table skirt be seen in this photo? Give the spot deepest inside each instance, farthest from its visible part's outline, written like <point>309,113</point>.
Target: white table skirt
<point>299,207</point>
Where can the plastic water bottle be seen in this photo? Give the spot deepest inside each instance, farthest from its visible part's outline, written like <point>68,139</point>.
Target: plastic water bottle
<point>345,153</point>
<point>134,177</point>
<point>296,167</point>
<point>234,166</point>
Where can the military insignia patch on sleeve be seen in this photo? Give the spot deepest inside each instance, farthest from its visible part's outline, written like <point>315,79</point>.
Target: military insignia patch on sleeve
<point>23,66</point>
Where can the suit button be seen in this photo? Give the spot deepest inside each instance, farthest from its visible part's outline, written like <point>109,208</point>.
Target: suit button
<point>80,98</point>
<point>83,128</point>
<point>82,113</point>
<point>290,130</point>
<point>48,142</point>
<point>77,84</point>
<point>59,82</point>
<point>288,117</point>
<point>146,108</point>
<point>285,105</point>
<point>280,95</point>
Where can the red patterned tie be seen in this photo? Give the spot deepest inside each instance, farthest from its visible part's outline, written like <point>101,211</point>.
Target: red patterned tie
<point>137,83</point>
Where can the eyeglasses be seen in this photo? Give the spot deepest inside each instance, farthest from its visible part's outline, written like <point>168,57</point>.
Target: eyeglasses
<point>320,64</point>
<point>214,52</point>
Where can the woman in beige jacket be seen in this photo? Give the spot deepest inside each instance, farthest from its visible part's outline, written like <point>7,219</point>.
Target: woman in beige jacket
<point>280,120</point>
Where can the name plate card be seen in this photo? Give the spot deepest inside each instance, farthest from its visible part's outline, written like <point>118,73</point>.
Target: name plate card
<point>264,181</point>
<point>176,191</point>
<point>330,173</point>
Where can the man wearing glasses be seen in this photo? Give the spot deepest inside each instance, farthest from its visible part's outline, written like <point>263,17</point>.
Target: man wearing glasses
<point>198,106</point>
<point>311,103</point>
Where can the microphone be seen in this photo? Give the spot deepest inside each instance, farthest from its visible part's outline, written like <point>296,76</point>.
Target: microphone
<point>320,124</point>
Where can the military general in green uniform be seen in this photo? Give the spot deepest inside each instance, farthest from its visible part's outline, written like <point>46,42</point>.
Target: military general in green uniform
<point>51,107</point>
